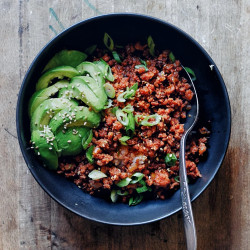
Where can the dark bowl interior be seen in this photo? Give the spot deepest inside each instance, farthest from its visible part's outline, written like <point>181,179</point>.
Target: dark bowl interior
<point>213,99</point>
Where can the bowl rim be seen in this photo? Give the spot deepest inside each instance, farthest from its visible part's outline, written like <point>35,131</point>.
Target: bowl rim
<point>150,18</point>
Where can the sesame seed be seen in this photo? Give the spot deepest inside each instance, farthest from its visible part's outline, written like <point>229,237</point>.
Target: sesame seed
<point>38,153</point>
<point>69,141</point>
<point>50,148</point>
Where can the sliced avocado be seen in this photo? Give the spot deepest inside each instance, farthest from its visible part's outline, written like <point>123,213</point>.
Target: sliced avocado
<point>69,141</point>
<point>45,146</point>
<point>41,95</point>
<point>66,93</point>
<point>87,90</point>
<point>66,57</point>
<point>58,72</point>
<point>47,109</point>
<point>74,117</point>
<point>86,68</point>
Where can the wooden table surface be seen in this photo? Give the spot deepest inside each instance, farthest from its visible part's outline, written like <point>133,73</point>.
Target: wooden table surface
<point>30,219</point>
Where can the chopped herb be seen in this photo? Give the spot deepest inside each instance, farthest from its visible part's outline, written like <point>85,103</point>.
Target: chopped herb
<point>156,119</point>
<point>151,46</point>
<point>191,72</point>
<point>113,110</point>
<point>89,154</point>
<point>116,56</point>
<point>119,192</point>
<point>143,62</point>
<point>108,41</point>
<point>109,89</point>
<point>170,159</point>
<point>133,201</point>
<point>109,104</point>
<point>124,139</point>
<point>177,178</point>
<point>136,177</point>
<point>124,182</point>
<point>90,50</point>
<point>113,195</point>
<point>130,128</point>
<point>128,109</point>
<point>129,93</point>
<point>171,57</point>
<point>96,174</point>
<point>141,66</point>
<point>87,138</point>
<point>122,117</point>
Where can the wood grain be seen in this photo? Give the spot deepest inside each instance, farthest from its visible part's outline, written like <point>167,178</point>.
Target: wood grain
<point>29,219</point>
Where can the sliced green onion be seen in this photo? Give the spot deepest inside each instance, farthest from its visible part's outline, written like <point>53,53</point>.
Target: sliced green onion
<point>105,69</point>
<point>128,109</point>
<point>171,57</point>
<point>141,66</point>
<point>191,72</point>
<point>113,195</point>
<point>90,50</point>
<point>124,182</point>
<point>122,117</point>
<point>156,117</point>
<point>170,159</point>
<point>109,89</point>
<point>89,154</point>
<point>116,56</point>
<point>109,104</point>
<point>119,46</point>
<point>134,87</point>
<point>151,46</point>
<point>108,41</point>
<point>133,201</point>
<point>143,62</point>
<point>131,123</point>
<point>143,188</point>
<point>121,98</point>
<point>177,178</point>
<point>113,110</point>
<point>87,139</point>
<point>136,177</point>
<point>130,92</point>
<point>119,192</point>
<point>124,139</point>
<point>96,175</point>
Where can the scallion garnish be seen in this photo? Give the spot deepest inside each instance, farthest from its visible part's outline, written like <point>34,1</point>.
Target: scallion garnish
<point>128,109</point>
<point>108,41</point>
<point>151,46</point>
<point>113,195</point>
<point>171,57</point>
<point>90,50</point>
<point>122,117</point>
<point>113,110</point>
<point>109,104</point>
<point>130,128</point>
<point>87,138</point>
<point>143,188</point>
<point>109,89</point>
<point>124,182</point>
<point>156,119</point>
<point>89,154</point>
<point>177,178</point>
<point>136,177</point>
<point>124,139</point>
<point>141,66</point>
<point>135,200</point>
<point>191,72</point>
<point>129,93</point>
<point>96,174</point>
<point>116,56</point>
<point>105,69</point>
<point>170,159</point>
<point>119,192</point>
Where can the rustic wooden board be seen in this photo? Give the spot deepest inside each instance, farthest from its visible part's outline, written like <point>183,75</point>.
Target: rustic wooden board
<point>29,219</point>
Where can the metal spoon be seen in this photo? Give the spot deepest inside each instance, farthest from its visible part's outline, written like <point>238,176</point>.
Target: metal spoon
<point>188,218</point>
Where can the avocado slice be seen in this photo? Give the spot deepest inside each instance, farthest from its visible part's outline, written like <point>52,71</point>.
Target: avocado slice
<point>69,141</point>
<point>47,109</point>
<point>41,95</point>
<point>65,93</point>
<point>66,57</point>
<point>45,146</point>
<point>87,90</point>
<point>94,71</point>
<point>74,117</point>
<point>58,72</point>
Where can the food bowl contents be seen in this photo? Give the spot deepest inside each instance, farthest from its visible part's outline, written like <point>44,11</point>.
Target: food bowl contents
<point>111,120</point>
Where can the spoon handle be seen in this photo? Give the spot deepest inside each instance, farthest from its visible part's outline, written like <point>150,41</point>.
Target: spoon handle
<point>188,218</point>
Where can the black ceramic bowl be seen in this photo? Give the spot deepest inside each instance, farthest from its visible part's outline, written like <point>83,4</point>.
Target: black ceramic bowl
<point>213,99</point>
